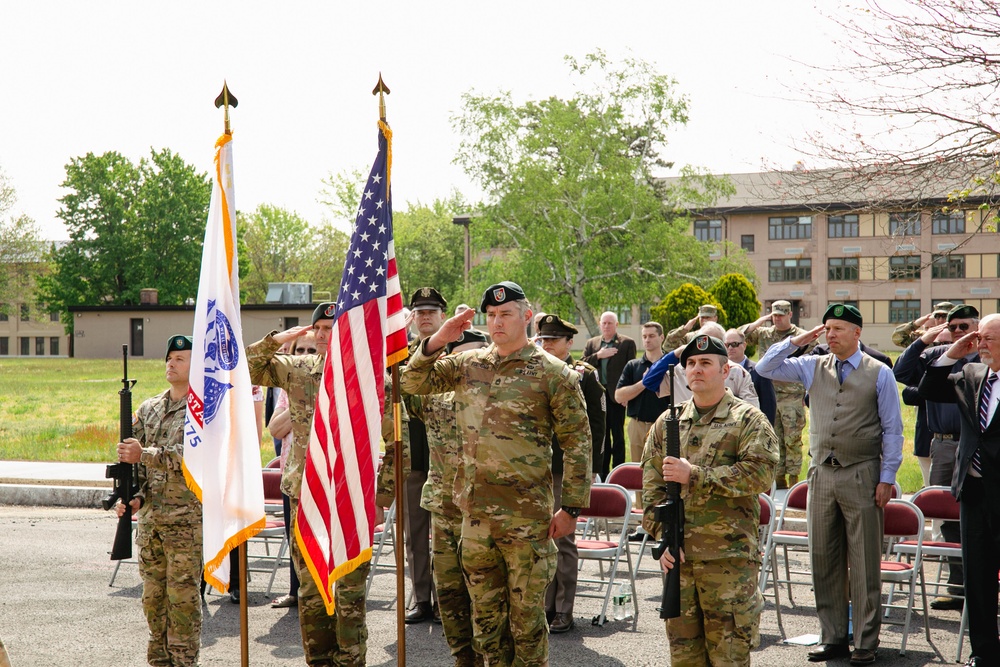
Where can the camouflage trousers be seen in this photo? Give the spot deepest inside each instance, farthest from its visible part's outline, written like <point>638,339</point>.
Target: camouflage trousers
<point>170,563</point>
<point>788,425</point>
<point>450,587</point>
<point>340,640</point>
<point>508,564</point>
<point>720,614</point>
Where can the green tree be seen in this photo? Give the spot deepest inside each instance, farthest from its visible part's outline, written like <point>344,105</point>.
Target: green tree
<point>131,226</point>
<point>738,297</point>
<point>323,264</point>
<point>430,248</point>
<point>278,244</point>
<point>574,211</point>
<point>682,304</point>
<point>21,251</point>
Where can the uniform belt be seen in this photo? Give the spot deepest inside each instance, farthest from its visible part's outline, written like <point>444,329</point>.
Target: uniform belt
<point>945,436</point>
<point>831,460</point>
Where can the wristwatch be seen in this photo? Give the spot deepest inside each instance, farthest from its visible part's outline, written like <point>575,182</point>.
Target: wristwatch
<point>572,511</point>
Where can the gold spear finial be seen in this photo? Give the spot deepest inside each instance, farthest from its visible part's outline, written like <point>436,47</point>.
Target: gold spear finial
<point>226,99</point>
<point>381,90</point>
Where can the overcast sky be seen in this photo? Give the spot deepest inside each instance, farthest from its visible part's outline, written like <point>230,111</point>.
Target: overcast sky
<point>82,77</point>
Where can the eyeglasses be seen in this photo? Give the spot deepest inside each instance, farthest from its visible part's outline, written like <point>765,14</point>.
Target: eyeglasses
<point>964,326</point>
<point>305,350</point>
<point>734,345</point>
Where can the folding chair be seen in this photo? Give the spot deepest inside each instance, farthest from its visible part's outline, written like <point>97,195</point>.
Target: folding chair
<point>274,530</point>
<point>612,502</point>
<point>786,534</point>
<point>765,525</point>
<point>629,476</point>
<point>273,503</point>
<point>904,521</point>
<point>382,538</point>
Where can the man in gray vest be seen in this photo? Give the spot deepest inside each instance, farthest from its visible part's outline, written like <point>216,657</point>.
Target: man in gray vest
<point>856,446</point>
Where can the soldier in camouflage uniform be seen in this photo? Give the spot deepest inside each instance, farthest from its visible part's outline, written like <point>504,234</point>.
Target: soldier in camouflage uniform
<point>791,415</point>
<point>905,334</point>
<point>728,453</point>
<point>327,640</point>
<point>556,337</point>
<point>510,399</point>
<point>683,334</point>
<point>169,530</point>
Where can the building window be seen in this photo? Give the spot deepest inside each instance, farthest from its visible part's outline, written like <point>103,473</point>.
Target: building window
<point>789,228</point>
<point>54,316</point>
<point>3,314</point>
<point>948,266</point>
<point>4,346</point>
<point>906,223</point>
<point>39,346</point>
<point>948,223</point>
<point>904,267</point>
<point>901,311</point>
<point>54,346</point>
<point>842,226</point>
<point>846,303</point>
<point>746,242</point>
<point>25,346</point>
<point>842,268</point>
<point>789,270</point>
<point>708,230</point>
<point>624,314</point>
<point>25,312</point>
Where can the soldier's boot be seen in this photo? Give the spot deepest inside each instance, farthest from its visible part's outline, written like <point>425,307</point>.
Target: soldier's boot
<point>792,481</point>
<point>468,658</point>
<point>779,482</point>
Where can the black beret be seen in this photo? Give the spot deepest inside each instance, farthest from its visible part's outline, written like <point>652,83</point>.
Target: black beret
<point>324,311</point>
<point>703,344</point>
<point>963,312</point>
<point>501,293</point>
<point>427,298</point>
<point>468,336</point>
<point>839,311</point>
<point>553,326</point>
<point>177,342</point>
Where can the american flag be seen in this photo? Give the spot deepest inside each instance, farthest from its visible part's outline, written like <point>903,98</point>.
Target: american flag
<point>336,513</point>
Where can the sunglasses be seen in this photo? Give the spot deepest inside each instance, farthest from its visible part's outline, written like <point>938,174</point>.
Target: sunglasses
<point>734,345</point>
<point>305,350</point>
<point>964,326</point>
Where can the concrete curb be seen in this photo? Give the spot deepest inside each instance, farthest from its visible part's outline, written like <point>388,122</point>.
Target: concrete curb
<point>52,496</point>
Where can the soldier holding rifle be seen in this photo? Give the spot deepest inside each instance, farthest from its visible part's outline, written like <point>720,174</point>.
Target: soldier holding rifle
<point>728,453</point>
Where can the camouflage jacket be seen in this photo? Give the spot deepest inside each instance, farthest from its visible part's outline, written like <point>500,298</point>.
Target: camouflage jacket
<point>438,494</point>
<point>679,337</point>
<point>765,337</point>
<point>299,375</point>
<point>507,411</point>
<point>158,425</point>
<point>733,453</point>
<point>905,334</point>
<point>595,398</point>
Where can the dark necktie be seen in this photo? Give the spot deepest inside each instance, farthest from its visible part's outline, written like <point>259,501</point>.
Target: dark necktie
<point>984,413</point>
<point>840,371</point>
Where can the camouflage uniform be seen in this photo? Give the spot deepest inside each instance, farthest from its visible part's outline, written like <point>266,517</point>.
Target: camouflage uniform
<point>791,413</point>
<point>507,409</point>
<point>905,334</point>
<point>733,451</point>
<point>168,535</point>
<point>679,337</point>
<point>326,640</point>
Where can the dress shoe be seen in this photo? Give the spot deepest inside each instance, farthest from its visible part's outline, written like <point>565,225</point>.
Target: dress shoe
<point>436,614</point>
<point>829,652</point>
<point>562,622</point>
<point>947,603</point>
<point>420,612</point>
<point>284,602</point>
<point>637,536</point>
<point>863,656</point>
<point>234,595</point>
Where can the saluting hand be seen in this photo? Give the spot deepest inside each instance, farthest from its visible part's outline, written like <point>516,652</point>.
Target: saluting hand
<point>965,345</point>
<point>931,334</point>
<point>291,334</point>
<point>451,330</point>
<point>809,336</point>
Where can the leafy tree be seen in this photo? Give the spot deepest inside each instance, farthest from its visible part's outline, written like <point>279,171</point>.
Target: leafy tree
<point>323,264</point>
<point>278,245</point>
<point>574,212</point>
<point>682,304</point>
<point>21,251</point>
<point>738,297</point>
<point>131,226</point>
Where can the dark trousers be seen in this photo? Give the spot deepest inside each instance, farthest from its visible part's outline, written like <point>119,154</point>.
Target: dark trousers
<point>981,553</point>
<point>614,436</point>
<point>943,453</point>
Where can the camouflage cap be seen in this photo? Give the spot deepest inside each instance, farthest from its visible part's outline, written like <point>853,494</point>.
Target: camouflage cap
<point>703,345</point>
<point>708,310</point>
<point>324,311</point>
<point>963,312</point>
<point>553,326</point>
<point>944,307</point>
<point>178,342</point>
<point>501,293</point>
<point>839,311</point>
<point>428,298</point>
<point>781,307</point>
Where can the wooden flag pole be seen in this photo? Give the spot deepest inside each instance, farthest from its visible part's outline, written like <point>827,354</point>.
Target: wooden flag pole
<point>225,100</point>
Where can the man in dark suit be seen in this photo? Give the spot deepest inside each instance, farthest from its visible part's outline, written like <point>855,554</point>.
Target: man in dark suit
<point>736,348</point>
<point>976,483</point>
<point>609,353</point>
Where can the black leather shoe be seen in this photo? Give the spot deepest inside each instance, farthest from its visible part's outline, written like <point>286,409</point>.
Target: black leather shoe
<point>421,612</point>
<point>637,536</point>
<point>947,603</point>
<point>436,614</point>
<point>234,595</point>
<point>562,622</point>
<point>829,652</point>
<point>863,656</point>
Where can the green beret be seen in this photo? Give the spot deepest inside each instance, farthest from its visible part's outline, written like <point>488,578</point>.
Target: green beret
<point>703,344</point>
<point>468,336</point>
<point>177,342</point>
<point>839,311</point>
<point>427,298</point>
<point>963,312</point>
<point>324,311</point>
<point>501,293</point>
<point>553,326</point>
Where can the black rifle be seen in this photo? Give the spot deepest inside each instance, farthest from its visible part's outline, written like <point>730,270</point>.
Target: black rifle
<point>670,515</point>
<point>125,475</point>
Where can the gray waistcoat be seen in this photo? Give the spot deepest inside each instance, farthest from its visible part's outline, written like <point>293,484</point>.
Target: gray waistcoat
<point>843,419</point>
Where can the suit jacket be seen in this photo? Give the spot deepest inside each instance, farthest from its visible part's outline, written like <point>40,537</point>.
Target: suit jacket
<point>765,390</point>
<point>965,388</point>
<point>616,364</point>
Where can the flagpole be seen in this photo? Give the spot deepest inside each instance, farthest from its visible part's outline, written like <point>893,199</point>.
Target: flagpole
<point>226,100</point>
<point>397,432</point>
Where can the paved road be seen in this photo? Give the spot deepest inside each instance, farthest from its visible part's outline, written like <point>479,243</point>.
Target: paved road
<point>56,609</point>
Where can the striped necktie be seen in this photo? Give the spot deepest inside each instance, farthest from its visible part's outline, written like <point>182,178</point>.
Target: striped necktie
<point>984,413</point>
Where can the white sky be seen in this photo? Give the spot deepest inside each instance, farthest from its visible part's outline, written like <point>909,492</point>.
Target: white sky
<point>78,77</point>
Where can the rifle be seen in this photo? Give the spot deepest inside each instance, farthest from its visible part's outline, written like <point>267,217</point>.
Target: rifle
<point>125,475</point>
<point>670,515</point>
